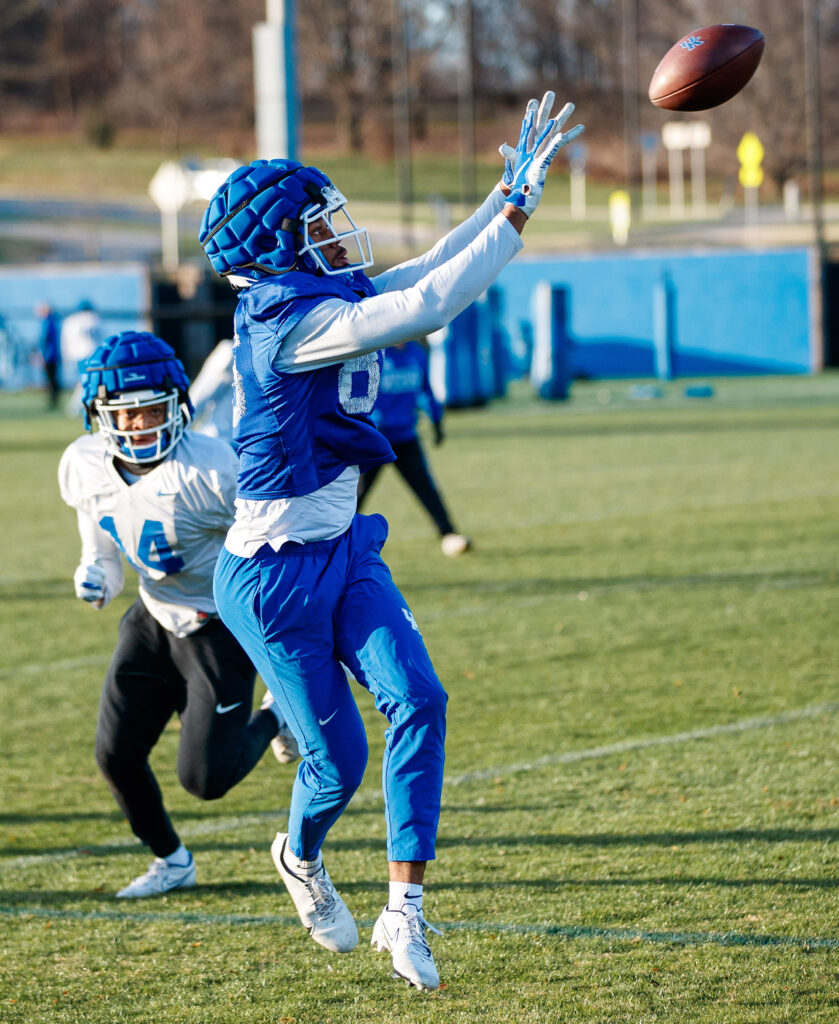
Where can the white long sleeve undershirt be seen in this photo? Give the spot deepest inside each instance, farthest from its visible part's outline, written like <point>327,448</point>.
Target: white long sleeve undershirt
<point>413,300</point>
<point>408,273</point>
<point>440,285</point>
<point>99,549</point>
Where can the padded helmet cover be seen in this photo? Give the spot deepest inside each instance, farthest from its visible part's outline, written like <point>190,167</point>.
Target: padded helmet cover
<point>254,221</point>
<point>129,370</point>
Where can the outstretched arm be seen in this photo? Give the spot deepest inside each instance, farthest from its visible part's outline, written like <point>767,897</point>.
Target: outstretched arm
<point>534,126</point>
<point>408,273</point>
<point>335,330</point>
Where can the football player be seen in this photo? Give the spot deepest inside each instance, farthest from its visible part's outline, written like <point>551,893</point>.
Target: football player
<point>404,389</point>
<point>146,488</point>
<point>300,579</point>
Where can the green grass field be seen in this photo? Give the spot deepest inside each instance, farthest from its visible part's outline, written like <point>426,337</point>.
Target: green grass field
<point>640,816</point>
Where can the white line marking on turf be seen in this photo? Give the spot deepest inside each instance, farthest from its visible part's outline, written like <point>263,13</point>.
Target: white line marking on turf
<point>38,668</point>
<point>743,725</point>
<point>130,844</point>
<point>371,796</point>
<point>486,927</point>
<point>571,517</point>
<point>758,581</point>
<point>763,579</point>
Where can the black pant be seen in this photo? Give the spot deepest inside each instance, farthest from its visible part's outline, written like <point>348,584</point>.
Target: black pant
<point>208,680</point>
<point>412,465</point>
<point>52,372</point>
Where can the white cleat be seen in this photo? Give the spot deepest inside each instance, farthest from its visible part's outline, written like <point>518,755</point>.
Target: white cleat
<point>160,877</point>
<point>454,544</point>
<point>284,745</point>
<point>324,914</point>
<point>402,932</point>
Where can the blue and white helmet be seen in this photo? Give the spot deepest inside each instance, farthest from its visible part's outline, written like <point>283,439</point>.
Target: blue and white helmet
<point>134,370</point>
<point>258,222</point>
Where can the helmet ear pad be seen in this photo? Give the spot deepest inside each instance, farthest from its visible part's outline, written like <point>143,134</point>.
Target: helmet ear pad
<point>265,243</point>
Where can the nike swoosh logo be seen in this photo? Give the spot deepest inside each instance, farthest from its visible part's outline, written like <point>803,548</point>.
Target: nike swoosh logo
<point>323,721</point>
<point>221,709</point>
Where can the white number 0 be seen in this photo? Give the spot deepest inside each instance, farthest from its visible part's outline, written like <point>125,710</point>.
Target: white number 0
<point>359,402</point>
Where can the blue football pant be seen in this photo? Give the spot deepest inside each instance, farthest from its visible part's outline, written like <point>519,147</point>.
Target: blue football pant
<point>302,612</point>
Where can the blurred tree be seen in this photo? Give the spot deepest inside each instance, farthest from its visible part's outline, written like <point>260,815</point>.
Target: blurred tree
<point>83,50</point>
<point>187,63</point>
<point>184,67</point>
<point>345,63</point>
<point>22,75</point>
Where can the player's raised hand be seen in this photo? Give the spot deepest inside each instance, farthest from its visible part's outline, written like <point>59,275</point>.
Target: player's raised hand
<point>511,155</point>
<point>537,153</point>
<point>531,128</point>
<point>89,581</point>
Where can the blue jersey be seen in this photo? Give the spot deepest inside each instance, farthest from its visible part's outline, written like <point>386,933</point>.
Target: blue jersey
<point>404,389</point>
<point>50,339</point>
<point>297,432</point>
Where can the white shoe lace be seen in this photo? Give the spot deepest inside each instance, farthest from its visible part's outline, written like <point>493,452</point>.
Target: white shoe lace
<point>157,867</point>
<point>416,925</point>
<point>323,895</point>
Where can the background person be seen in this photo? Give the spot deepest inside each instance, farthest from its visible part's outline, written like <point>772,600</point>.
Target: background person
<point>49,345</point>
<point>146,488</point>
<point>404,389</point>
<point>300,580</point>
<point>81,333</point>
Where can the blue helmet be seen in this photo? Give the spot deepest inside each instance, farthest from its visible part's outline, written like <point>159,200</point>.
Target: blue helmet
<point>259,220</point>
<point>129,371</point>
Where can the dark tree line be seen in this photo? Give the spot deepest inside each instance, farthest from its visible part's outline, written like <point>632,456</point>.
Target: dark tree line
<point>183,69</point>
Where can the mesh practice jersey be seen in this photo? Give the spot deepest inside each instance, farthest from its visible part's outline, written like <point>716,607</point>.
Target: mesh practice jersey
<point>170,524</point>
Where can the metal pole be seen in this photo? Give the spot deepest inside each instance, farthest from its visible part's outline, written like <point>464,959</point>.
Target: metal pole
<point>697,180</point>
<point>275,89</point>
<point>402,118</point>
<point>750,202</point>
<point>677,184</point>
<point>466,106</point>
<point>813,117</point>
<point>578,193</point>
<point>631,114</point>
<point>170,255</point>
<point>648,173</point>
<point>814,160</point>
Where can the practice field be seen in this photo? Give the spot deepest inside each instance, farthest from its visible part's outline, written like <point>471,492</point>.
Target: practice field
<point>641,811</point>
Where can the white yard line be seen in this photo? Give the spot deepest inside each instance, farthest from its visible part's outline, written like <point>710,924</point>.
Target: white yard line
<point>484,927</point>
<point>624,746</point>
<point>367,796</point>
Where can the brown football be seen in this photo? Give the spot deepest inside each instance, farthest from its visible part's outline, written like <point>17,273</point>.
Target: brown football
<point>706,67</point>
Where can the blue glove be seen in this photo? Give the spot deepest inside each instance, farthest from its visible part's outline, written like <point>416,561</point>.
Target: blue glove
<point>529,130</point>
<point>537,153</point>
<point>89,582</point>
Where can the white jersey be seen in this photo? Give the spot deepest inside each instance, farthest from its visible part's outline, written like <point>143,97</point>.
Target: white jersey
<point>80,334</point>
<point>170,523</point>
